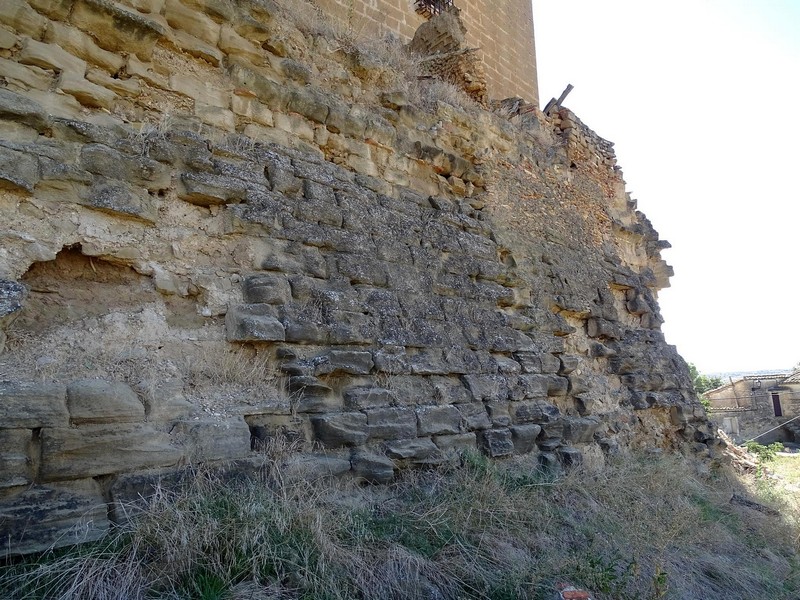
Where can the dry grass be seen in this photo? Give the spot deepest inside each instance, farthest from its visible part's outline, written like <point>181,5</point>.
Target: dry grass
<point>644,529</point>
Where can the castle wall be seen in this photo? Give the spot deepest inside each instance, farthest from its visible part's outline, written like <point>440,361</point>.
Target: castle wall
<point>223,232</point>
<point>502,30</point>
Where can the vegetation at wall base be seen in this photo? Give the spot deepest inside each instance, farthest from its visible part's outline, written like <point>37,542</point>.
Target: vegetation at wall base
<point>645,527</point>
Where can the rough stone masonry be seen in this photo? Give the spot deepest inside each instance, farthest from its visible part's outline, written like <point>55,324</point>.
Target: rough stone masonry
<point>220,229</point>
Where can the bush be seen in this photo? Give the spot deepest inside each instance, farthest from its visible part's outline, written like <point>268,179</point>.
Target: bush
<point>764,453</point>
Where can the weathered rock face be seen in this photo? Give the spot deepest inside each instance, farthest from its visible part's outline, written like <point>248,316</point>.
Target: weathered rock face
<point>218,235</point>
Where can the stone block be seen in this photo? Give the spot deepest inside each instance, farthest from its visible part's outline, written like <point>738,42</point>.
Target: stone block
<point>450,390</point>
<point>233,44</point>
<point>164,400</point>
<point>19,108</point>
<point>602,329</point>
<point>266,288</point>
<point>17,75</point>
<point>550,363</point>
<point>15,461</point>
<point>253,323</point>
<point>499,413</point>
<point>18,171</point>
<point>456,443</point>
<point>208,439</point>
<point>195,22</point>
<point>507,366</point>
<point>341,429</point>
<point>307,333</point>
<point>372,468</point>
<point>196,47</point>
<point>40,518</point>
<point>20,17</point>
<point>524,437</point>
<point>570,457</point>
<point>251,108</point>
<point>391,423</point>
<point>200,91</point>
<point>365,397</point>
<point>578,385</point>
<point>391,359</point>
<point>580,429</point>
<point>352,362</point>
<point>313,398</point>
<point>273,94</point>
<point>548,463</point>
<point>598,350</point>
<point>207,189</point>
<point>28,405</point>
<point>146,71</point>
<point>557,386</point>
<point>428,361</point>
<point>549,444</point>
<point>82,46</point>
<point>50,56</point>
<point>94,401</point>
<point>569,363</point>
<point>124,87</point>
<point>534,412</point>
<point>496,442</point>
<point>349,121</point>
<point>488,388</point>
<point>313,467</point>
<point>534,385</point>
<point>438,420</point>
<point>309,385</point>
<point>7,39</point>
<point>137,170</point>
<point>417,450</point>
<point>119,198</point>
<point>103,450</point>
<point>309,102</point>
<point>295,258</point>
<point>537,362</point>
<point>117,28</point>
<point>411,390</point>
<point>474,416</point>
<point>314,210</point>
<point>294,70</point>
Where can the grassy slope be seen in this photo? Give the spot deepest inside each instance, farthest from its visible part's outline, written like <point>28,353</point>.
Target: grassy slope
<point>645,528</point>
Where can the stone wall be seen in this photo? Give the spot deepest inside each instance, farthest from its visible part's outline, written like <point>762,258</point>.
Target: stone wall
<point>747,404</point>
<point>222,232</point>
<point>502,31</point>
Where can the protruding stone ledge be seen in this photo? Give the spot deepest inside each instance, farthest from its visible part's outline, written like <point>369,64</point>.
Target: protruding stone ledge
<point>103,450</point>
<point>93,401</point>
<point>32,405</point>
<point>253,323</point>
<point>44,517</point>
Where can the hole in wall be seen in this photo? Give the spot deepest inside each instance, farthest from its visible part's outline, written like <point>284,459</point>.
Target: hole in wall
<point>74,286</point>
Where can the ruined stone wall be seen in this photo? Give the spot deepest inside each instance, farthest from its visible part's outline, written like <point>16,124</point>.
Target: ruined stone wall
<point>503,31</point>
<point>220,231</point>
<point>749,401</point>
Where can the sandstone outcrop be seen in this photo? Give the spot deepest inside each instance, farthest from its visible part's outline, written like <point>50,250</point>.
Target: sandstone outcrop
<point>221,231</point>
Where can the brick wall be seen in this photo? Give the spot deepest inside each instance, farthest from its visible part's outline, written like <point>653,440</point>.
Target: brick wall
<point>502,29</point>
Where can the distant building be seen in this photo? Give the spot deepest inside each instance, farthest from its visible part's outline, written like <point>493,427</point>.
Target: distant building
<point>762,406</point>
<point>502,30</point>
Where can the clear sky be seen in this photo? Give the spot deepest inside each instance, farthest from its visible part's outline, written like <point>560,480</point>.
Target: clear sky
<point>702,99</point>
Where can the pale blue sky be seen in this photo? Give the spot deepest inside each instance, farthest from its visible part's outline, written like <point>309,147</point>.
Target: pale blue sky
<point>702,99</point>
